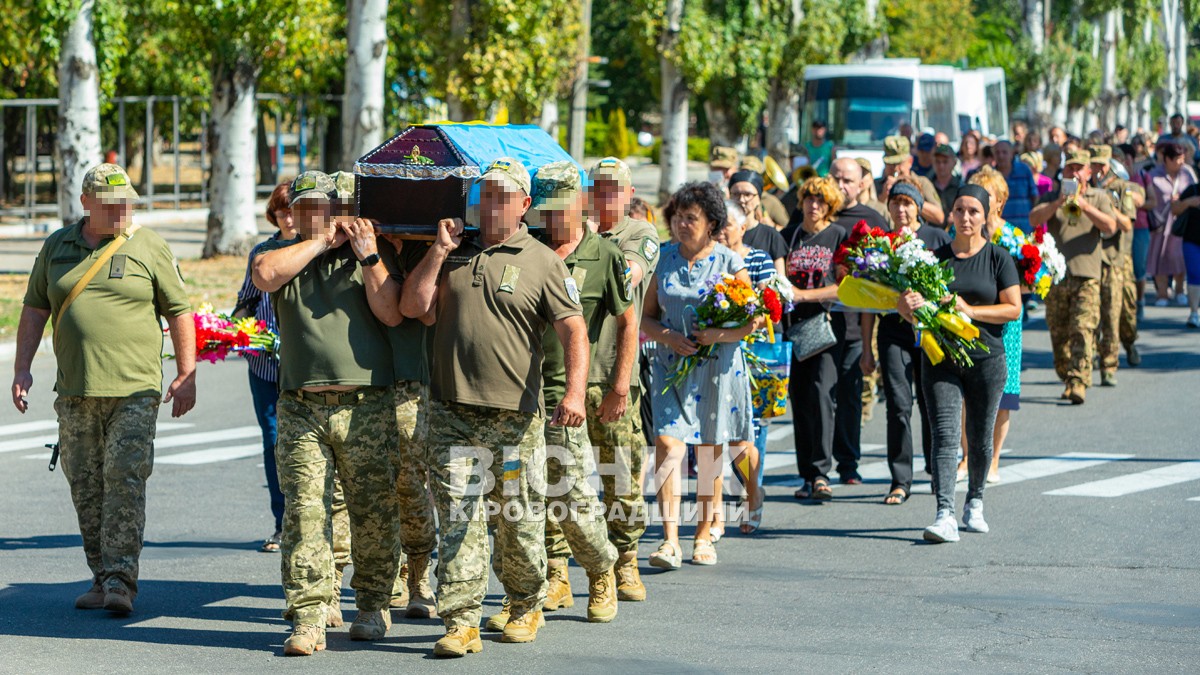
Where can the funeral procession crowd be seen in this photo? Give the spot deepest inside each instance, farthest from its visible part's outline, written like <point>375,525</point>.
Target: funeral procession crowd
<point>438,406</point>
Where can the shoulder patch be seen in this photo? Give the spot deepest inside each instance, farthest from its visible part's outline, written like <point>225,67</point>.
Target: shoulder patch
<point>572,289</point>
<point>628,282</point>
<point>649,248</point>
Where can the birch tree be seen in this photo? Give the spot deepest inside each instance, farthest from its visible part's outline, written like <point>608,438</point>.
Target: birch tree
<point>78,141</point>
<point>674,95</point>
<point>366,58</point>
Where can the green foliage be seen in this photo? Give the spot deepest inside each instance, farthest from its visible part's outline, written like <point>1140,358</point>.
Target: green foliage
<point>1086,72</point>
<point>1000,42</point>
<point>632,67</point>
<point>924,28</point>
<point>31,36</point>
<point>698,150</point>
<point>617,142</point>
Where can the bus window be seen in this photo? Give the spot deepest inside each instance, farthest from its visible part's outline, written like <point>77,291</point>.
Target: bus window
<point>858,111</point>
<point>994,95</point>
<point>939,105</point>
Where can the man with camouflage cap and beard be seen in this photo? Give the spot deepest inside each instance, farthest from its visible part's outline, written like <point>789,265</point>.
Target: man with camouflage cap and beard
<point>335,409</point>
<point>575,517</point>
<point>491,299</point>
<point>105,282</point>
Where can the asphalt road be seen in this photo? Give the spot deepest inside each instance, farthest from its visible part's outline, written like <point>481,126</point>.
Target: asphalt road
<point>1092,565</point>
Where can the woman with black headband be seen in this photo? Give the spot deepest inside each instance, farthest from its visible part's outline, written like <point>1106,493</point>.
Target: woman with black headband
<point>745,190</point>
<point>986,284</point>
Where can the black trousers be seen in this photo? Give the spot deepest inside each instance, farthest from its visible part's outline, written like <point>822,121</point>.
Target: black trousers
<point>812,389</point>
<point>847,424</point>
<point>900,367</point>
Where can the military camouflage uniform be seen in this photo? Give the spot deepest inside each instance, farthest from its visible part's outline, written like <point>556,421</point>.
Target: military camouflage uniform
<point>357,437</point>
<point>475,446</point>
<point>418,536</point>
<point>107,447</point>
<point>1072,315</point>
<point>1118,325</point>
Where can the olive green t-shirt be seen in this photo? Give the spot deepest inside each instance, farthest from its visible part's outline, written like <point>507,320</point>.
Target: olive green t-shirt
<point>1120,244</point>
<point>638,240</point>
<point>409,349</point>
<point>109,342</point>
<point>602,276</point>
<point>327,332</point>
<point>493,307</point>
<point>1078,240</point>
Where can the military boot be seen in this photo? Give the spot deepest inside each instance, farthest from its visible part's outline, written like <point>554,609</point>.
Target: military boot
<point>602,597</point>
<point>372,625</point>
<point>499,620</point>
<point>523,628</point>
<point>629,580</point>
<point>118,598</point>
<point>458,641</point>
<point>558,590</point>
<point>400,590</point>
<point>1076,392</point>
<point>93,599</point>
<point>422,603</point>
<point>305,639</point>
<point>333,617</point>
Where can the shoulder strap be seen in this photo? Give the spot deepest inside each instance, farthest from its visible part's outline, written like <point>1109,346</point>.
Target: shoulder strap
<point>80,285</point>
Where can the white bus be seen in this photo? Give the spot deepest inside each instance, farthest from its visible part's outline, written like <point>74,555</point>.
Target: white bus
<point>863,103</point>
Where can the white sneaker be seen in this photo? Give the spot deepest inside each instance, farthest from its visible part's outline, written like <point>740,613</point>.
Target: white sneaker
<point>1181,299</point>
<point>1194,320</point>
<point>1162,302</point>
<point>973,517</point>
<point>943,530</point>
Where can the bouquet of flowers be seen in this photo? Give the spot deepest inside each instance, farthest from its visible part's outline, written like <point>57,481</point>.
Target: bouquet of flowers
<point>883,264</point>
<point>769,360</point>
<point>725,302</point>
<point>219,335</point>
<point>1037,258</point>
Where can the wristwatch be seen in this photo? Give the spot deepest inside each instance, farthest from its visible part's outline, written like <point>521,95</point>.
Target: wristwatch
<point>370,260</point>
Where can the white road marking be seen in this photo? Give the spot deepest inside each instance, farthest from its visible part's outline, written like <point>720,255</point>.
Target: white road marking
<point>1051,466</point>
<point>28,427</point>
<point>1134,482</point>
<point>38,442</point>
<point>210,455</point>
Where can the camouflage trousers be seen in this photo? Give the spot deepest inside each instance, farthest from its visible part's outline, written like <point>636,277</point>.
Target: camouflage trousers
<point>574,515</point>
<point>418,533</point>
<point>357,438</point>
<point>107,453</point>
<point>1072,315</point>
<point>621,450</point>
<point>1112,305</point>
<point>486,457</point>
<point>1129,299</point>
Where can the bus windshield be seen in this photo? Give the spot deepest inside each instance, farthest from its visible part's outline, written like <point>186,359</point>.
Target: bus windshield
<point>858,111</point>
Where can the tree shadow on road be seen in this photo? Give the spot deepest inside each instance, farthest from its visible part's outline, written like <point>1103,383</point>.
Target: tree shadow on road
<point>51,541</point>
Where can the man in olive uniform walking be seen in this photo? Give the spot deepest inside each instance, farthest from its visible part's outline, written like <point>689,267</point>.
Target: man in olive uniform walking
<point>492,298</point>
<point>336,408</point>
<point>1073,305</point>
<point>614,419</point>
<point>105,282</point>
<point>1116,327</point>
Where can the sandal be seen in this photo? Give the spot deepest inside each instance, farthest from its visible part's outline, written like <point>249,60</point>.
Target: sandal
<point>716,533</point>
<point>804,492</point>
<point>753,521</point>
<point>704,553</point>
<point>667,557</point>
<point>821,490</point>
<point>896,497</point>
<point>271,545</point>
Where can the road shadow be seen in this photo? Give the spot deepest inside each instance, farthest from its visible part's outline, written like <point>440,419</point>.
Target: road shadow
<point>53,541</point>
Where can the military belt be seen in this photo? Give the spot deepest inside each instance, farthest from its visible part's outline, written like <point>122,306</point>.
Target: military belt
<point>350,397</point>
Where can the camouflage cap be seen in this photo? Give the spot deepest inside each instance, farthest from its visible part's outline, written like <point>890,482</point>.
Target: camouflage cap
<point>723,157</point>
<point>343,182</point>
<point>866,165</point>
<point>896,149</point>
<point>1101,154</point>
<point>611,168</point>
<point>109,180</point>
<point>1080,157</point>
<point>556,187</point>
<point>752,163</point>
<point>943,149</point>
<point>509,171</point>
<point>310,185</point>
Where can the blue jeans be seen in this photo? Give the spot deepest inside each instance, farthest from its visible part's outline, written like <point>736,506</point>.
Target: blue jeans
<point>1141,249</point>
<point>265,394</point>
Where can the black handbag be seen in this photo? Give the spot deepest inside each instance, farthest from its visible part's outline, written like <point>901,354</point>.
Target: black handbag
<point>811,336</point>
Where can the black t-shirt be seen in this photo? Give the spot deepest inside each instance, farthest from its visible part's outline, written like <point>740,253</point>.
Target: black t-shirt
<point>766,238</point>
<point>1191,230</point>
<point>978,280</point>
<point>892,328</point>
<point>809,264</point>
<point>848,217</point>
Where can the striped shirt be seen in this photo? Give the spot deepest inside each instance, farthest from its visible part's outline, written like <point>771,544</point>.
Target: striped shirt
<point>264,366</point>
<point>759,265</point>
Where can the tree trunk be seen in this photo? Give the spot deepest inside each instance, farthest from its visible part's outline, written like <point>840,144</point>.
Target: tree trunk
<point>1037,99</point>
<point>232,226</point>
<point>1181,62</point>
<point>877,47</point>
<point>783,103</point>
<point>1168,16</point>
<point>548,120</point>
<point>366,56</point>
<point>722,128</point>
<point>674,92</point>
<point>1108,78</point>
<point>1145,97</point>
<point>460,21</point>
<point>78,140</point>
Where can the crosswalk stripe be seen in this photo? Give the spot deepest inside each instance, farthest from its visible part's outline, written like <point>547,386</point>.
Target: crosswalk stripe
<point>1194,499</point>
<point>780,433</point>
<point>28,427</point>
<point>1134,482</point>
<point>1051,466</point>
<point>210,455</point>
<point>201,437</point>
<point>38,442</point>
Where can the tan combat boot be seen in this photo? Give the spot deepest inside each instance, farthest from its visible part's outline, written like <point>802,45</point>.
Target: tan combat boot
<point>602,597</point>
<point>1077,393</point>
<point>422,603</point>
<point>401,589</point>
<point>333,615</point>
<point>458,641</point>
<point>523,628</point>
<point>558,591</point>
<point>118,599</point>
<point>629,580</point>
<point>372,625</point>
<point>499,620</point>
<point>304,640</point>
<point>93,599</point>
